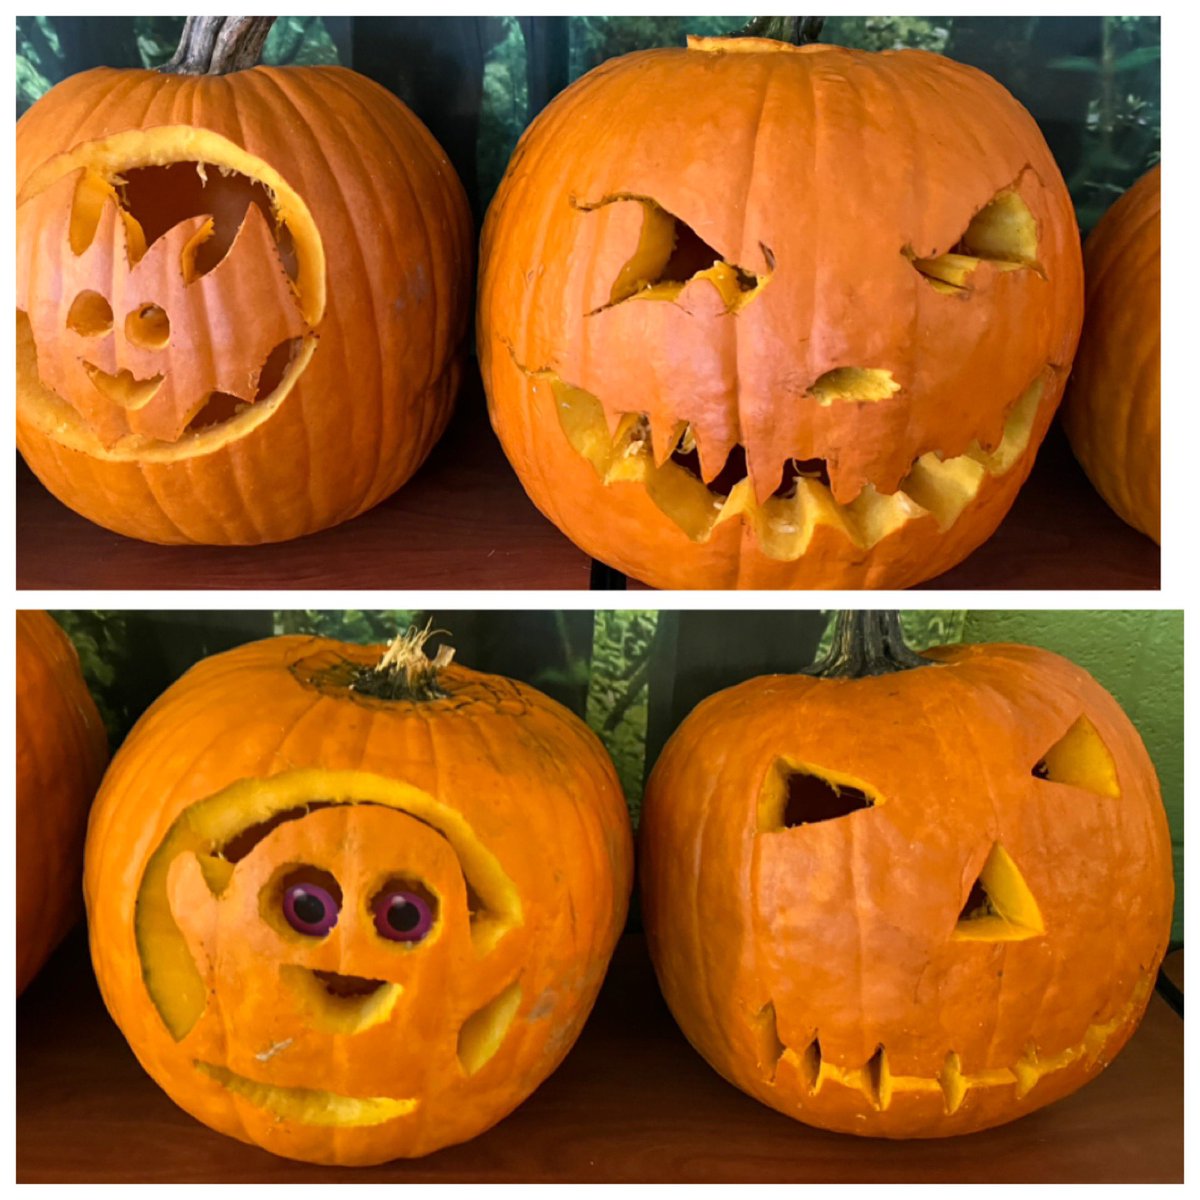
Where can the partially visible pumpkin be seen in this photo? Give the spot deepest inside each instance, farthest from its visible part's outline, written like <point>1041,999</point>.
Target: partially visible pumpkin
<point>758,315</point>
<point>352,912</point>
<point>61,752</point>
<point>920,900</point>
<point>241,297</point>
<point>1111,413</point>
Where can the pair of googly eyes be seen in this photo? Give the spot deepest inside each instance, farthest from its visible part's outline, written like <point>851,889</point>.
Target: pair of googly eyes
<point>400,915</point>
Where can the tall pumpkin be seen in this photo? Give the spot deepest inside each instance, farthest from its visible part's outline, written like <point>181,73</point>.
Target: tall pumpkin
<point>1112,409</point>
<point>759,315</point>
<point>907,896</point>
<point>61,752</point>
<point>352,912</point>
<point>242,293</point>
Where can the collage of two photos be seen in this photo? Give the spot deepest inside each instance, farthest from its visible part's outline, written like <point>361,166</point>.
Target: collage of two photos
<point>775,877</point>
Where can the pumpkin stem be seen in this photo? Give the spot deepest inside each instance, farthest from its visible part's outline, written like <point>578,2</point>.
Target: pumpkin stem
<point>797,30</point>
<point>219,45</point>
<point>405,671</point>
<point>866,643</point>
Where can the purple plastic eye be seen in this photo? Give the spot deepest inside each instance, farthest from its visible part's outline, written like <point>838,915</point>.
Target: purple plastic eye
<point>402,916</point>
<point>310,909</point>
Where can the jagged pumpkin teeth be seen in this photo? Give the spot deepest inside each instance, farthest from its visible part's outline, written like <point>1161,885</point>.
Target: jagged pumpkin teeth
<point>784,524</point>
<point>780,300</point>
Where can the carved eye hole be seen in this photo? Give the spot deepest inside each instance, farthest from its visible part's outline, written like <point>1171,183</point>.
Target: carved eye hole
<point>405,911</point>
<point>1080,759</point>
<point>1003,232</point>
<point>311,900</point>
<point>147,326</point>
<point>90,315</point>
<point>793,796</point>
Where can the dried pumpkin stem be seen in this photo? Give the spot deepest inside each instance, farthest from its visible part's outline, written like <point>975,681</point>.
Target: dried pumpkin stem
<point>866,643</point>
<point>797,30</point>
<point>405,671</point>
<point>219,45</point>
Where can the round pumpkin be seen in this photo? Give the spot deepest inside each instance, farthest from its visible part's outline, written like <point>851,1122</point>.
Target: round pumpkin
<point>908,904</point>
<point>241,297</point>
<point>758,315</point>
<point>352,913</point>
<point>61,752</point>
<point>1111,412</point>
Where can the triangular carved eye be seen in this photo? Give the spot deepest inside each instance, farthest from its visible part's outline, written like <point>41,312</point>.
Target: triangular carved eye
<point>1080,759</point>
<point>999,907</point>
<point>795,794</point>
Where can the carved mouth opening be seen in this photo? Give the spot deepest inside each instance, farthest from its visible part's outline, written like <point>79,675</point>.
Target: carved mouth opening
<point>784,523</point>
<point>348,986</point>
<point>879,1086</point>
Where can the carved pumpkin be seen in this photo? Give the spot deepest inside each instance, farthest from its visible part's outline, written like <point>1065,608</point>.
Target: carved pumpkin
<point>61,752</point>
<point>1112,409</point>
<point>352,914</point>
<point>764,316</point>
<point>241,298</point>
<point>910,905</point>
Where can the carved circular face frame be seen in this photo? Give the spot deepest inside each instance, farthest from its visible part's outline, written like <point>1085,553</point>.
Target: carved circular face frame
<point>152,240</point>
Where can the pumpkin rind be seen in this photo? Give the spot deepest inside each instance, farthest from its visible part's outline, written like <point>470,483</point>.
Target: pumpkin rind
<point>1111,413</point>
<point>784,951</point>
<point>823,204</point>
<point>61,752</point>
<point>494,772</point>
<point>386,288</point>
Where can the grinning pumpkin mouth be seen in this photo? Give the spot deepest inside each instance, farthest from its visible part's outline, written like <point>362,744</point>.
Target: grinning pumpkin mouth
<point>309,1106</point>
<point>786,521</point>
<point>879,1086</point>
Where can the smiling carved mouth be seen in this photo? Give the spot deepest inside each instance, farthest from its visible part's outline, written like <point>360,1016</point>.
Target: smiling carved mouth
<point>879,1086</point>
<point>786,521</point>
<point>309,1106</point>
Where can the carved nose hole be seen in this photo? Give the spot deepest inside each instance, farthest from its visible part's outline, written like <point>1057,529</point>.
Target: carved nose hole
<point>90,315</point>
<point>147,326</point>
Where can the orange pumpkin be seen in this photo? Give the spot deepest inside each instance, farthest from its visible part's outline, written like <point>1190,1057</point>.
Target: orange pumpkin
<point>241,298</point>
<point>1112,410</point>
<point>908,904</point>
<point>757,315</point>
<point>61,752</point>
<point>352,914</point>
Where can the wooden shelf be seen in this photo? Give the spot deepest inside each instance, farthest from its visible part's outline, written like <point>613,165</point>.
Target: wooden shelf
<point>632,1102</point>
<point>464,522</point>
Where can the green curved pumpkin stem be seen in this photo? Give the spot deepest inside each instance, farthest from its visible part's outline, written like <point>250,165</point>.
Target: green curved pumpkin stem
<point>405,671</point>
<point>866,643</point>
<point>219,45</point>
<point>797,30</point>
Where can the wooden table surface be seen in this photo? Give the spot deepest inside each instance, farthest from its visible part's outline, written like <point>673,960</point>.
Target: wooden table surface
<point>464,522</point>
<point>632,1102</point>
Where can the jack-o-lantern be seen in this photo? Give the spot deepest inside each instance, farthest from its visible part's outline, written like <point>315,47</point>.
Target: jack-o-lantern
<point>352,912</point>
<point>921,901</point>
<point>1111,413</point>
<point>760,315</point>
<point>241,294</point>
<point>61,752</point>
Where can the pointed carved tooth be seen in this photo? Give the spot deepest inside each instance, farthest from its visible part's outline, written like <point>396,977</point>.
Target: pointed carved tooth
<point>664,436</point>
<point>954,1085</point>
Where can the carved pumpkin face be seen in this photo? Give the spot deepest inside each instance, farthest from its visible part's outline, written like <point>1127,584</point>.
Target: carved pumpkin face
<point>202,348</point>
<point>766,329</point>
<point>913,905</point>
<point>347,953</point>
